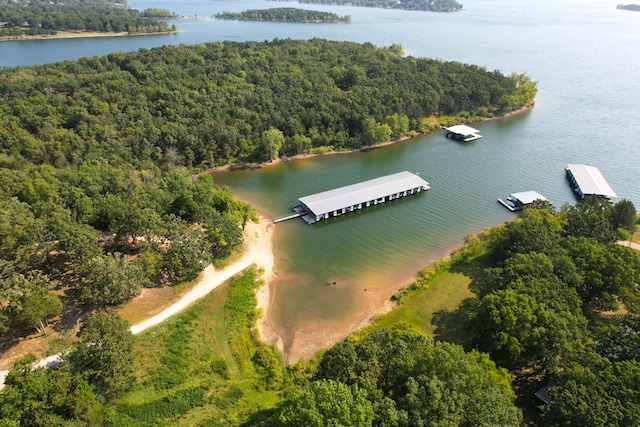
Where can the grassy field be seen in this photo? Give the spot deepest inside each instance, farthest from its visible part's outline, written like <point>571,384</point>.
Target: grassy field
<point>431,303</point>
<point>204,366</point>
<point>442,293</point>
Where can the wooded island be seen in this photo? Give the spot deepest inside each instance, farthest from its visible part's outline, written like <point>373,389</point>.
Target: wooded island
<point>283,14</point>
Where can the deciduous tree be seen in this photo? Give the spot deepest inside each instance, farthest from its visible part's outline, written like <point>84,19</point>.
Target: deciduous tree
<point>104,355</point>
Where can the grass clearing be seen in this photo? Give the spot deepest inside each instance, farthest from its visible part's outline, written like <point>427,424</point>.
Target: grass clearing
<point>430,303</point>
<point>443,292</point>
<point>205,366</point>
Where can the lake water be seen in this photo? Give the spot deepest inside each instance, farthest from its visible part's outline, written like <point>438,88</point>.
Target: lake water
<point>584,56</point>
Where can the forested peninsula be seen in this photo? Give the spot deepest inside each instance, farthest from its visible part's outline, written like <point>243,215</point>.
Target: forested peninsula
<point>283,14</point>
<point>46,18</point>
<point>214,104</point>
<point>422,5</point>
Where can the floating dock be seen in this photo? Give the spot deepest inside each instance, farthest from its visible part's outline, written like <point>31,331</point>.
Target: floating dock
<point>517,201</point>
<point>462,133</point>
<point>339,201</point>
<point>587,181</point>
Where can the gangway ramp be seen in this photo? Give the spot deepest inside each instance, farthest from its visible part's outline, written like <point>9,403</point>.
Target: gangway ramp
<point>288,217</point>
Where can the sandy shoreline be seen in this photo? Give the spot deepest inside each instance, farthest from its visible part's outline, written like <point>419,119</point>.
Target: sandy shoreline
<point>78,34</point>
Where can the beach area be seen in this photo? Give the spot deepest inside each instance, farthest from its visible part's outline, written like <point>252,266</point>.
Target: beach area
<point>77,35</point>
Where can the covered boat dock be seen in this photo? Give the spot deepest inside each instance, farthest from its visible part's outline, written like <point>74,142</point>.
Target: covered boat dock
<point>336,202</point>
<point>517,201</point>
<point>462,133</point>
<point>587,181</point>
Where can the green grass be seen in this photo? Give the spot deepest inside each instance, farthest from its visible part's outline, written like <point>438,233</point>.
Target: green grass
<point>434,302</point>
<point>205,366</point>
<point>443,292</point>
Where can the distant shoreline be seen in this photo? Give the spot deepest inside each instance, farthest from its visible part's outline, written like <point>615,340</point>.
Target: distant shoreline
<point>78,34</point>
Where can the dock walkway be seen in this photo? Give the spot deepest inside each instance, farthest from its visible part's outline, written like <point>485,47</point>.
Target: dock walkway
<point>288,217</point>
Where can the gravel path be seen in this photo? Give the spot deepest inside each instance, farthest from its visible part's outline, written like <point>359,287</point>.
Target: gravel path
<point>258,249</point>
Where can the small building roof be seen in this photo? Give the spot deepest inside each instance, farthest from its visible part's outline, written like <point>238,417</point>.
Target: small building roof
<point>362,192</point>
<point>527,197</point>
<point>543,395</point>
<point>590,180</point>
<point>462,130</point>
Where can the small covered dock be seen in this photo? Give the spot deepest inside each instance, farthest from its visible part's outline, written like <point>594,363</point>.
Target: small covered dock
<point>462,133</point>
<point>517,201</point>
<point>339,201</point>
<point>587,181</point>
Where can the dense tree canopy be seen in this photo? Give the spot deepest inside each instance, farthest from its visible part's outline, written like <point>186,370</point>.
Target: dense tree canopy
<point>36,17</point>
<point>72,393</point>
<point>40,397</point>
<point>29,302</point>
<point>103,357</point>
<point>411,381</point>
<point>284,14</point>
<point>541,309</point>
<point>209,104</point>
<point>327,403</point>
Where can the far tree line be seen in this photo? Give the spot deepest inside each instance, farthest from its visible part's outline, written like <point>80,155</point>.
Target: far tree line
<point>422,5</point>
<point>284,14</point>
<point>213,104</point>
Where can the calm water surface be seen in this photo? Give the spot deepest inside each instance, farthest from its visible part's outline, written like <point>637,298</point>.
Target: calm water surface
<point>584,56</point>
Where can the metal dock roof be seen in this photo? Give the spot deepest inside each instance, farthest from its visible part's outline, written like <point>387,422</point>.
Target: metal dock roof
<point>462,130</point>
<point>527,197</point>
<point>362,192</point>
<point>590,180</point>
